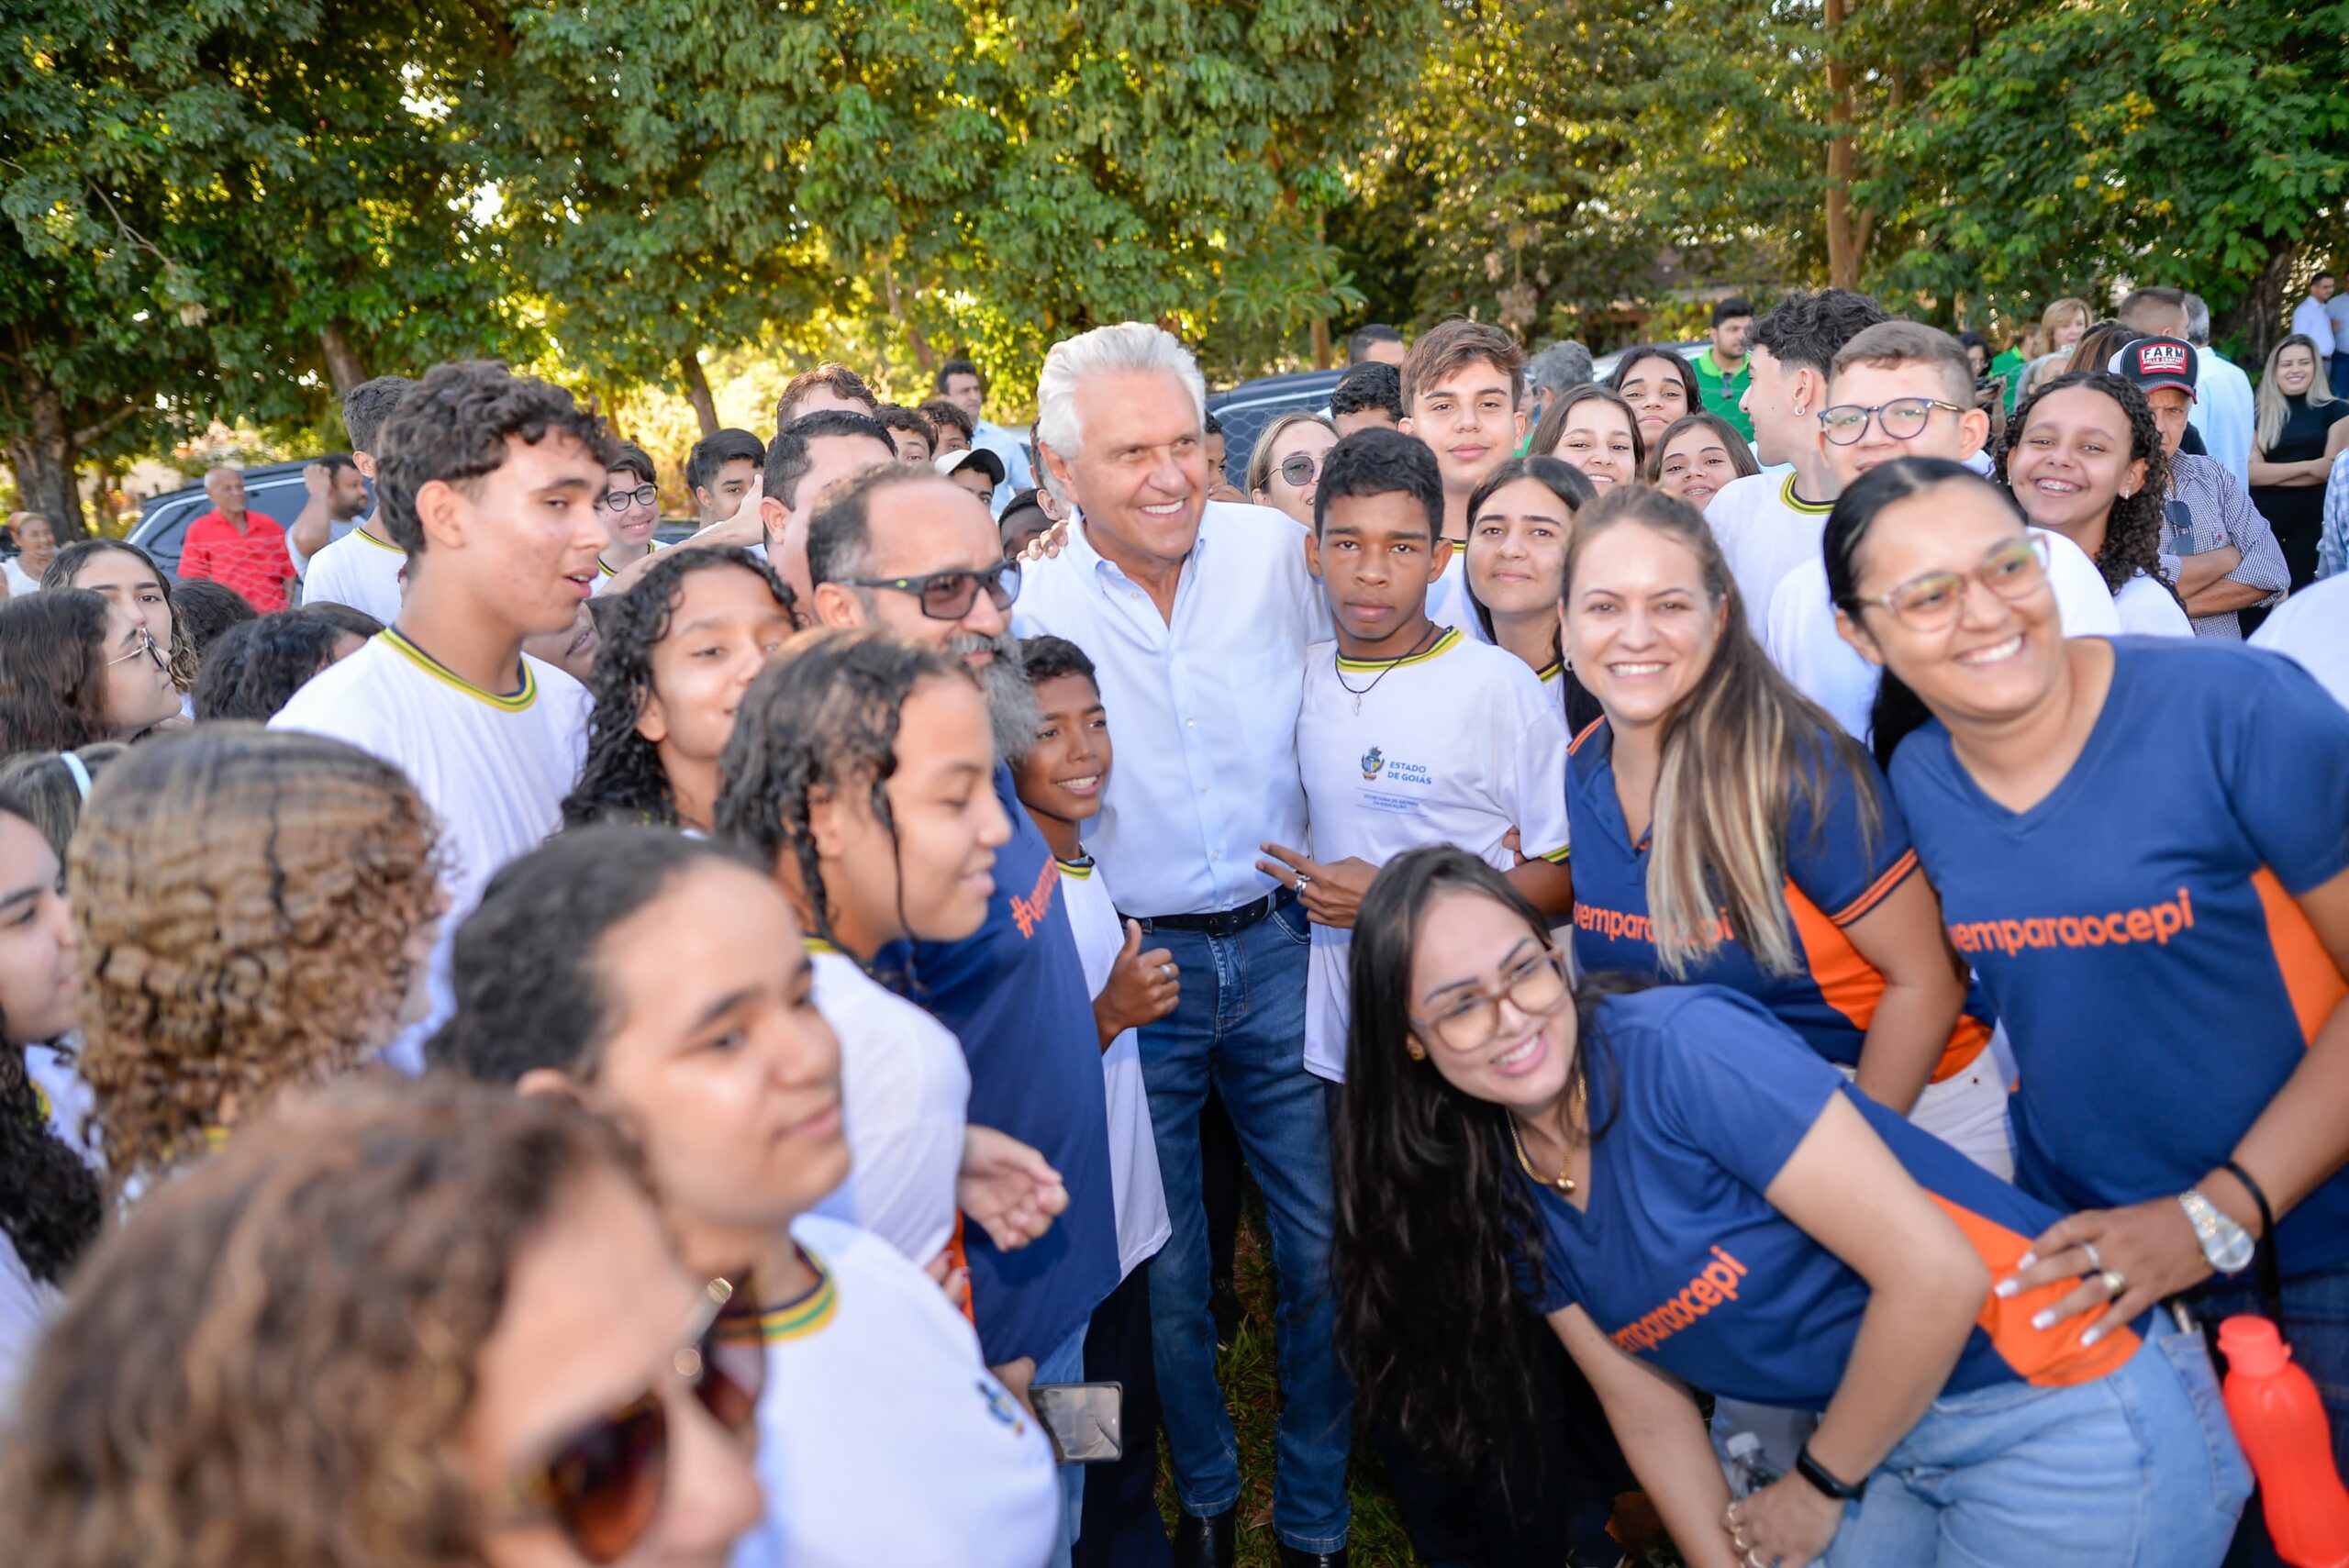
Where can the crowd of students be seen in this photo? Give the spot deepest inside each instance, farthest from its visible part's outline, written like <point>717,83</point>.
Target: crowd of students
<point>558,1048</point>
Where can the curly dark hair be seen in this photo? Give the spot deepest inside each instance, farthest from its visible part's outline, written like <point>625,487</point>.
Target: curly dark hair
<point>257,666</point>
<point>247,902</point>
<point>50,1202</point>
<point>453,426</point>
<point>210,610</point>
<point>622,780</point>
<point>53,670</point>
<point>823,715</point>
<point>274,1361</point>
<point>342,617</point>
<point>65,572</point>
<point>2132,528</point>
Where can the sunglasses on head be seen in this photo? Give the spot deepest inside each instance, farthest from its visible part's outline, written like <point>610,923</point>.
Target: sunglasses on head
<point>603,1485</point>
<point>949,595</point>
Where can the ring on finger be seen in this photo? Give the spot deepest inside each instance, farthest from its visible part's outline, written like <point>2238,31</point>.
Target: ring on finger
<point>2096,1263</point>
<point>1303,882</point>
<point>2114,1281</point>
<point>1167,970</point>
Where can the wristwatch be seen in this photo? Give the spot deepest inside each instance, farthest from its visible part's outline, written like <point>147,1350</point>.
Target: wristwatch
<point>2226,1245</point>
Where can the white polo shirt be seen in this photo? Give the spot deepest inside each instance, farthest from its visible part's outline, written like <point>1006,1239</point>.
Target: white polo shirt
<point>1456,745</point>
<point>1765,533</point>
<point>1136,1190</point>
<point>360,571</point>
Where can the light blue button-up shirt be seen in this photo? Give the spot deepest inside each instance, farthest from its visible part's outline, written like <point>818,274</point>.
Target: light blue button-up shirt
<point>1202,709</point>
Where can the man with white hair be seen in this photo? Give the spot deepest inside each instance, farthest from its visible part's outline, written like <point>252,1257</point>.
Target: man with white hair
<point>1197,614</point>
<point>2222,396</point>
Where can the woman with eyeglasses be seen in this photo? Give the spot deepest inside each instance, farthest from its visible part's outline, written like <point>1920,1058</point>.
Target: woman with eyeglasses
<point>2084,459</point>
<point>254,909</point>
<point>1592,429</point>
<point>1659,385</point>
<point>74,669</point>
<point>401,1325</point>
<point>676,653</point>
<point>1285,466</point>
<point>630,507</point>
<point>1727,831</point>
<point>126,576</point>
<point>880,1431</point>
<point>1696,455</point>
<point>1694,1201</point>
<point>2143,847</point>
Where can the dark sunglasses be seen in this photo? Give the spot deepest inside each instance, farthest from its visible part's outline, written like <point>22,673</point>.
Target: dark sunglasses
<point>949,595</point>
<point>603,1485</point>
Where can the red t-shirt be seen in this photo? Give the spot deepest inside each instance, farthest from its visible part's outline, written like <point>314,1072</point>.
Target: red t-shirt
<point>253,562</point>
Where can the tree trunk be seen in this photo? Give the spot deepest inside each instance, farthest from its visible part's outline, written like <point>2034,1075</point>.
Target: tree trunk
<point>44,458</point>
<point>2261,318</point>
<point>1842,252</point>
<point>344,367</point>
<point>1321,350</point>
<point>697,391</point>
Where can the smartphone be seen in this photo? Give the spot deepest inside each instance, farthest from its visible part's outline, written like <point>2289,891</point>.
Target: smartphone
<point>1085,1420</point>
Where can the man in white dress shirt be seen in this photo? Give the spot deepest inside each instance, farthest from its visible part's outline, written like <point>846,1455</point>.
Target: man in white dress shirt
<point>1197,614</point>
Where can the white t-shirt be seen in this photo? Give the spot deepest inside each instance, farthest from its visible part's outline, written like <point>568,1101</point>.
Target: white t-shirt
<point>22,585</point>
<point>2311,628</point>
<point>1137,1192</point>
<point>882,1437</point>
<point>57,1078</point>
<point>1448,601</point>
<point>604,575</point>
<point>1801,638</point>
<point>2148,609</point>
<point>357,569</point>
<point>26,1304</point>
<point>1456,745</point>
<point>905,1093</point>
<point>1765,533</point>
<point>492,769</point>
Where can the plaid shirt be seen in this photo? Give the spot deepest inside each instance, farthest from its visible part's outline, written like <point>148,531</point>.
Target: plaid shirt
<point>2219,513</point>
<point>2332,547</point>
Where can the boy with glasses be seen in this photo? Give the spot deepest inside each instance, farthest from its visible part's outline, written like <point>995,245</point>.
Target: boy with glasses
<point>1898,389</point>
<point>630,507</point>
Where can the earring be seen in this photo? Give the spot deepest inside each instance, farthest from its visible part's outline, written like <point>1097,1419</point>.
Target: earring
<point>1417,1053</point>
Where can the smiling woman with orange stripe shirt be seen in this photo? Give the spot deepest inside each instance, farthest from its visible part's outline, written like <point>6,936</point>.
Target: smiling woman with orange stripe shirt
<point>1727,832</point>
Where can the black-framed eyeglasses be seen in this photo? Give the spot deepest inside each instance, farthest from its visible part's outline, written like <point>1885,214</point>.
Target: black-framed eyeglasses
<point>1903,419</point>
<point>2013,572</point>
<point>949,595</point>
<point>621,500</point>
<point>1297,468</point>
<point>147,645</point>
<point>1535,985</point>
<point>604,1485</point>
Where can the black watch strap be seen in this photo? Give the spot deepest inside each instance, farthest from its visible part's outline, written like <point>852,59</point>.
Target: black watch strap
<point>1818,1475</point>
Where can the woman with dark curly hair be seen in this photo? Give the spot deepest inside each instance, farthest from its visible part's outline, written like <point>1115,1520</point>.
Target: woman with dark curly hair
<point>678,650</point>
<point>74,668</point>
<point>2084,458</point>
<point>49,1199</point>
<point>256,666</point>
<point>254,910</point>
<point>125,576</point>
<point>401,1325</point>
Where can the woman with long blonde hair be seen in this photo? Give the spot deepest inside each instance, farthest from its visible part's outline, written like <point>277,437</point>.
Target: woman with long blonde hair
<point>2298,429</point>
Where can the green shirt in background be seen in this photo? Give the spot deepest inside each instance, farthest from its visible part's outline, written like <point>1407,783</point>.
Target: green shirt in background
<point>2009,364</point>
<point>1720,393</point>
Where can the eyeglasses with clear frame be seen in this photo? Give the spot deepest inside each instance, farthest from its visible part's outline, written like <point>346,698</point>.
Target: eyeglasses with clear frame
<point>1535,985</point>
<point>1903,419</point>
<point>1933,602</point>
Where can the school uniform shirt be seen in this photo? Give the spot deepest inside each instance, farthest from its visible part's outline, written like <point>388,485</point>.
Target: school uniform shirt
<point>357,569</point>
<point>1801,638</point>
<point>1013,992</point>
<point>604,575</point>
<point>2311,628</point>
<point>2136,927</point>
<point>1456,745</point>
<point>1766,532</point>
<point>1448,600</point>
<point>1838,869</point>
<point>904,1091</point>
<point>66,1098</point>
<point>253,562</point>
<point>2147,609</point>
<point>882,1436</point>
<point>1681,1261</point>
<point>1137,1194</point>
<point>492,768</point>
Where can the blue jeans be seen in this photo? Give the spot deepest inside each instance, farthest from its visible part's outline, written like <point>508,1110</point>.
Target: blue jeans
<point>2316,1325</point>
<point>2339,374</point>
<point>1065,1364</point>
<point>1241,1025</point>
<point>2137,1470</point>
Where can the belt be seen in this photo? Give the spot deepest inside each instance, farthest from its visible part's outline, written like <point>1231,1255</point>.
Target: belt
<point>1219,922</point>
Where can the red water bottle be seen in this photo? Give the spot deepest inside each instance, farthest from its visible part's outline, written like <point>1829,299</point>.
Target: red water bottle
<point>2284,1433</point>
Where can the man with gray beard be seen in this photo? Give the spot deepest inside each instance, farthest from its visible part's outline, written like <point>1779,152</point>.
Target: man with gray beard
<point>905,552</point>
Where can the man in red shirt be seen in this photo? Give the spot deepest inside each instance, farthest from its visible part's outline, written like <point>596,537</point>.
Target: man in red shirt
<point>237,548</point>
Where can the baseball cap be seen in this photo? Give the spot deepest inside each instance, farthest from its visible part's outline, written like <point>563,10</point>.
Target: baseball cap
<point>2158,361</point>
<point>951,463</point>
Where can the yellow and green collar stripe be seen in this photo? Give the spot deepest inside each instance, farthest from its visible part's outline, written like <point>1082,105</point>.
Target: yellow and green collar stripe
<point>514,703</point>
<point>1080,867</point>
<point>796,1320</point>
<point>379,544</point>
<point>1444,644</point>
<point>1809,509</point>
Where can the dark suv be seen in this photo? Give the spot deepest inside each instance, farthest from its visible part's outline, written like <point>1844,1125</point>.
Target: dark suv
<point>1247,408</point>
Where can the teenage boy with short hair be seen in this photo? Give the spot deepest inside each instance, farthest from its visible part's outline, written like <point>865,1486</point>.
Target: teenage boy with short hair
<point>1369,394</point>
<point>361,568</point>
<point>1463,395</point>
<point>1061,780</point>
<point>629,503</point>
<point>1410,733</point>
<point>1769,523</point>
<point>718,472</point>
<point>488,485</point>
<point>1898,389</point>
